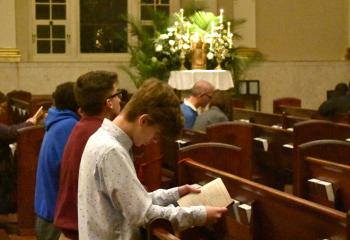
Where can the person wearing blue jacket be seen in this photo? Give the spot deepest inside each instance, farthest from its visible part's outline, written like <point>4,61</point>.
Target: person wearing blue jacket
<point>60,120</point>
<point>200,96</point>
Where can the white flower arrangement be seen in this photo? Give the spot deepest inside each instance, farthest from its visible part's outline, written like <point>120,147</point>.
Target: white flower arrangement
<point>177,41</point>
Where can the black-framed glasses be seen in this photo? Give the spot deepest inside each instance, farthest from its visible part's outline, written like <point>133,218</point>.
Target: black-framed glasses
<point>209,96</point>
<point>119,93</point>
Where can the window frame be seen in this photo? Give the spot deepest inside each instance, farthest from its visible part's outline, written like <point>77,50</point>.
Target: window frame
<point>73,53</point>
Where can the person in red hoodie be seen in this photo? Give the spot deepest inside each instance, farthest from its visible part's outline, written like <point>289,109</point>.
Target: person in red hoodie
<point>98,98</point>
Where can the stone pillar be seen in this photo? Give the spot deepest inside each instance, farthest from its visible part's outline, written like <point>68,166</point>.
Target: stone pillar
<point>245,9</point>
<point>8,50</point>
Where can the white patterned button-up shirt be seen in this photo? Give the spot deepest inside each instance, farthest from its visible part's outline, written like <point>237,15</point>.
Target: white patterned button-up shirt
<point>112,203</point>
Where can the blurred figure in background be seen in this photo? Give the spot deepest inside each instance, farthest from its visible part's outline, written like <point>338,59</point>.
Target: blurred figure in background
<point>330,106</point>
<point>201,94</point>
<point>220,110</point>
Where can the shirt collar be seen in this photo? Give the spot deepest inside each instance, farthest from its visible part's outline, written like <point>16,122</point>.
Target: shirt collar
<point>117,133</point>
<point>188,103</point>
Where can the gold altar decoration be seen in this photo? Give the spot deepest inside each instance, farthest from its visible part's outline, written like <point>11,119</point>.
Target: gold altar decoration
<point>184,40</point>
<point>198,54</point>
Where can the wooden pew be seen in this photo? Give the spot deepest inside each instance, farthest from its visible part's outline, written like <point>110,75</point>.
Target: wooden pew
<point>272,158</point>
<point>222,156</point>
<point>160,229</point>
<point>170,151</point>
<point>286,101</point>
<point>275,215</point>
<point>319,129</point>
<point>269,119</point>
<point>148,161</point>
<point>189,136</point>
<point>26,155</point>
<point>334,167</point>
<point>257,117</point>
<point>21,109</point>
<point>313,114</point>
<point>271,166</point>
<point>239,134</point>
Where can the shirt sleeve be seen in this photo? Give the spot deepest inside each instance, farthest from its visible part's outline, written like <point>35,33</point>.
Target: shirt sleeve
<point>8,134</point>
<point>164,197</point>
<point>127,195</point>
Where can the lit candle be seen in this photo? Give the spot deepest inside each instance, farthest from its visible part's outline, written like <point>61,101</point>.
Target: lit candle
<point>228,29</point>
<point>181,14</point>
<point>221,15</point>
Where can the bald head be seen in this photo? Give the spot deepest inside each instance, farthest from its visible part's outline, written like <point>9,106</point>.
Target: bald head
<point>202,87</point>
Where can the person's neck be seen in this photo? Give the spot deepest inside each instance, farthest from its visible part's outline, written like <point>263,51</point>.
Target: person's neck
<point>121,122</point>
<point>102,115</point>
<point>193,100</point>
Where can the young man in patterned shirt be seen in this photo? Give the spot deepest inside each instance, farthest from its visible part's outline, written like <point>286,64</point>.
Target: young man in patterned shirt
<point>112,203</point>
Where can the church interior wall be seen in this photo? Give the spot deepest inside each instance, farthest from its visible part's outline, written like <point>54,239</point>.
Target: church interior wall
<point>304,44</point>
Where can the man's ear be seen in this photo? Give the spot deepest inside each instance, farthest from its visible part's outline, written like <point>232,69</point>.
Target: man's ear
<point>143,119</point>
<point>109,103</point>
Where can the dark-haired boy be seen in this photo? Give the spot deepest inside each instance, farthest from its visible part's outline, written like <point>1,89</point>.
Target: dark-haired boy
<point>60,120</point>
<point>98,98</point>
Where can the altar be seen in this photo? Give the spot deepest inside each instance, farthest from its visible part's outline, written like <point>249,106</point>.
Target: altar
<point>184,79</point>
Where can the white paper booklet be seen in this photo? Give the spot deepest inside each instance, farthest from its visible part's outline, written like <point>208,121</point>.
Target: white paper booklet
<point>213,193</point>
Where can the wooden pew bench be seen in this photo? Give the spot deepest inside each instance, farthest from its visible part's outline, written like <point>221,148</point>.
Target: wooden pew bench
<point>222,156</point>
<point>274,214</point>
<point>273,156</point>
<point>326,160</point>
<point>170,152</point>
<point>27,152</point>
<point>21,109</point>
<point>313,114</point>
<point>239,134</point>
<point>287,101</point>
<point>270,119</point>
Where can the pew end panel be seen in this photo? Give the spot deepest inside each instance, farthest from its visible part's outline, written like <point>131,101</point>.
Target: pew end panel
<point>287,101</point>
<point>27,152</point>
<point>238,134</point>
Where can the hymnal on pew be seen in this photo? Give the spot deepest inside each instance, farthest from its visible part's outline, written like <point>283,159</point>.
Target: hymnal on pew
<point>321,188</point>
<point>245,213</point>
<point>213,193</point>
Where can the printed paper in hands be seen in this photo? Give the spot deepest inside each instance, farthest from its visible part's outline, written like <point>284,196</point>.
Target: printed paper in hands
<point>213,193</point>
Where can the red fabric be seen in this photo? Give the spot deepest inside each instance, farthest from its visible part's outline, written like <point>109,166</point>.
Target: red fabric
<point>66,212</point>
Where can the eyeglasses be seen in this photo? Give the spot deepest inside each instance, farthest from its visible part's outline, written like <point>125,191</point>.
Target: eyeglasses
<point>206,94</point>
<point>119,93</point>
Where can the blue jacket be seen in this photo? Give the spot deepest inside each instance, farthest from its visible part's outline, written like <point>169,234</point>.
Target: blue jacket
<point>58,125</point>
<point>189,114</point>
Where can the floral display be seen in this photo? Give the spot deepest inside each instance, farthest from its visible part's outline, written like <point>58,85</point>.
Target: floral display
<point>182,37</point>
<point>201,41</point>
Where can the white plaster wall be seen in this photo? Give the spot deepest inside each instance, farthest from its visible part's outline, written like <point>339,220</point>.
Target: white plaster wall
<point>308,81</point>
<point>42,78</point>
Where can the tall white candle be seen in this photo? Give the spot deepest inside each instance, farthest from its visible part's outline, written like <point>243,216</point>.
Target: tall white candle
<point>221,15</point>
<point>228,29</point>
